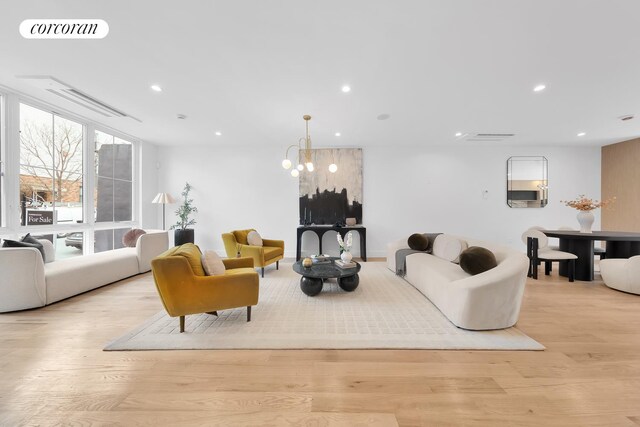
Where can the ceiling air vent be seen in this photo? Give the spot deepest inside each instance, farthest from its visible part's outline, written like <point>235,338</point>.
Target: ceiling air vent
<point>76,96</point>
<point>488,137</point>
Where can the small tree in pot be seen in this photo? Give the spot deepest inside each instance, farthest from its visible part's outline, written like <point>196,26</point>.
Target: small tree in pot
<point>182,233</point>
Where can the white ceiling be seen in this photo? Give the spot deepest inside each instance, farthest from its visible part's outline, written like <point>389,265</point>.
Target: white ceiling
<point>251,69</point>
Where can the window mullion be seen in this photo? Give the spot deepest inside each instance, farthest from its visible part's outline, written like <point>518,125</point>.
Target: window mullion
<point>113,178</point>
<point>53,169</point>
<point>90,179</point>
<point>12,167</point>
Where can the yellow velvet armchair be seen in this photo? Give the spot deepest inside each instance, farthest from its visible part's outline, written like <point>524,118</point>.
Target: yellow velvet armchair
<point>185,289</point>
<point>271,251</point>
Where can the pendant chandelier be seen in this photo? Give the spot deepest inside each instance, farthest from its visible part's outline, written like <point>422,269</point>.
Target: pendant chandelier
<point>305,153</point>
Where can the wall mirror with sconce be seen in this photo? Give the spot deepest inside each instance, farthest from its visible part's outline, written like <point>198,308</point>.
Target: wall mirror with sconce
<point>527,182</point>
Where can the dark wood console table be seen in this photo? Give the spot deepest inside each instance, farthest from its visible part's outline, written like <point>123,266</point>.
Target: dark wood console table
<point>620,244</point>
<point>321,229</point>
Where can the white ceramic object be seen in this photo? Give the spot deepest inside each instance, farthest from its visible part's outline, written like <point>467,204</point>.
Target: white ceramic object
<point>346,256</point>
<point>586,218</point>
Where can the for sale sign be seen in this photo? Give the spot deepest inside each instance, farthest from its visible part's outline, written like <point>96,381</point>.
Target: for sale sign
<point>39,217</point>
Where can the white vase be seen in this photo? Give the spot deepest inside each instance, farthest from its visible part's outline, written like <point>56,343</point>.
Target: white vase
<point>346,256</point>
<point>586,218</point>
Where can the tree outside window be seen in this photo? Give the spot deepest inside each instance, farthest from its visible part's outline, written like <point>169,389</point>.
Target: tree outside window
<point>51,174</point>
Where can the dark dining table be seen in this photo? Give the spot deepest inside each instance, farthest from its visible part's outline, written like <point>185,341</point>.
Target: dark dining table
<point>620,244</point>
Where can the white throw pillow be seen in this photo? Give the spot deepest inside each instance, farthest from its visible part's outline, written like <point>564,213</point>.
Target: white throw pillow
<point>49,250</point>
<point>254,239</point>
<point>212,264</point>
<point>449,247</point>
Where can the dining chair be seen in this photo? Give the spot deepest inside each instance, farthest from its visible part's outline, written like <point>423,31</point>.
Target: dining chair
<point>538,251</point>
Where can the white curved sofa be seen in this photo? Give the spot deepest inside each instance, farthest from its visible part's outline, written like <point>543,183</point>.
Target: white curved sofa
<point>27,282</point>
<point>622,274</point>
<point>489,300</point>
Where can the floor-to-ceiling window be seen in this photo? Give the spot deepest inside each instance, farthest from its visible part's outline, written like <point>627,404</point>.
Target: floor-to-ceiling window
<point>2,163</point>
<point>113,195</point>
<point>52,176</point>
<point>51,168</point>
<point>68,182</point>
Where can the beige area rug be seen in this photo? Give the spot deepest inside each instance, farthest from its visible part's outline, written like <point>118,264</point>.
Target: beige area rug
<point>384,312</point>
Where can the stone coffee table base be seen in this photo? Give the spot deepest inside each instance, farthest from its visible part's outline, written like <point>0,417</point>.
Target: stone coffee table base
<point>312,286</point>
<point>313,277</point>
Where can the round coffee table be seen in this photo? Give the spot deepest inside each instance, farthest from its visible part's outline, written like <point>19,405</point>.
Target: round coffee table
<point>313,277</point>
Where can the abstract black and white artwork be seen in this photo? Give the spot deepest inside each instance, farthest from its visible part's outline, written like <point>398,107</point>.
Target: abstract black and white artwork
<point>326,197</point>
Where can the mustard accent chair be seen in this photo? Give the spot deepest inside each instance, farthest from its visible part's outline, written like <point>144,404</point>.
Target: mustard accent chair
<point>185,289</point>
<point>271,250</point>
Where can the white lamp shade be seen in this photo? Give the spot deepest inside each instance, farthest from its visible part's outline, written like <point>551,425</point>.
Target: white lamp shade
<point>163,198</point>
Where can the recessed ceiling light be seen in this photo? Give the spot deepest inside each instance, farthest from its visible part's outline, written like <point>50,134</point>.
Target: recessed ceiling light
<point>218,133</point>
<point>346,89</point>
<point>458,133</point>
<point>539,88</point>
<point>156,88</point>
<point>338,134</point>
<point>582,134</point>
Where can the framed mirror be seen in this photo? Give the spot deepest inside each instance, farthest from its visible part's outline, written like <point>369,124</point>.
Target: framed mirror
<point>527,182</point>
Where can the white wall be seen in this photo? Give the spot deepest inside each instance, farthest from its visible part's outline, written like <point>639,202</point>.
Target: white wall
<point>406,190</point>
<point>233,188</point>
<point>441,189</point>
<point>150,215</point>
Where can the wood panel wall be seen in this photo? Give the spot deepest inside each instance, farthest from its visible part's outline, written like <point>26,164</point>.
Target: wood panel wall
<point>621,178</point>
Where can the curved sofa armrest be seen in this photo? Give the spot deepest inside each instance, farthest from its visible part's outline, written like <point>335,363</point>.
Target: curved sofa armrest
<point>149,246</point>
<point>22,285</point>
<point>490,300</point>
<point>273,243</point>
<point>392,248</point>
<point>622,274</point>
<point>633,273</point>
<point>232,263</point>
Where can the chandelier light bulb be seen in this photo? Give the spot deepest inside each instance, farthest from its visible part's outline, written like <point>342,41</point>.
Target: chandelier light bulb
<point>300,167</point>
<point>295,173</point>
<point>310,167</point>
<point>333,168</point>
<point>286,163</point>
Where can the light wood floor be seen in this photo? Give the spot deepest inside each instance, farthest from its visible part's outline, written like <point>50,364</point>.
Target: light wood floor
<point>53,371</point>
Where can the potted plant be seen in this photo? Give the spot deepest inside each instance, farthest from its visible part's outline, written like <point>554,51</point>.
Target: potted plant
<point>182,233</point>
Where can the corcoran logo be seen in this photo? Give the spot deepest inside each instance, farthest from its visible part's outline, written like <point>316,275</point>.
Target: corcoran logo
<point>64,29</point>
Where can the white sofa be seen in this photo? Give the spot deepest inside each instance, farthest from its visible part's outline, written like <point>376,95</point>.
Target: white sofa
<point>489,300</point>
<point>27,282</point>
<point>622,274</point>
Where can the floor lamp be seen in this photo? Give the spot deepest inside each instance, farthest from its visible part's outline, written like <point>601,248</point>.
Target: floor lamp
<point>164,199</point>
